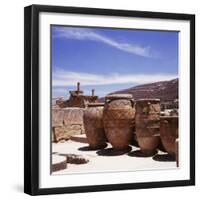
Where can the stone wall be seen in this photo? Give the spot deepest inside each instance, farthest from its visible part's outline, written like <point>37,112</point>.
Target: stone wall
<point>66,122</point>
<point>80,101</point>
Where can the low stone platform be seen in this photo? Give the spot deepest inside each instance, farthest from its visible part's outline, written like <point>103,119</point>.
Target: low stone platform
<point>109,160</point>
<point>66,122</point>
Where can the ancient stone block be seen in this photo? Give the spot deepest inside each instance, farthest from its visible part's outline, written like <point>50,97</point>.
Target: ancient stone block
<point>58,163</point>
<point>76,159</point>
<point>65,132</point>
<point>57,117</point>
<point>72,130</point>
<point>73,116</point>
<point>60,134</point>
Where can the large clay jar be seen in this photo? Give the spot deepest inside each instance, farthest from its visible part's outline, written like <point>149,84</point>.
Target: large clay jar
<point>147,122</point>
<point>177,151</point>
<point>169,133</point>
<point>93,123</point>
<point>118,119</point>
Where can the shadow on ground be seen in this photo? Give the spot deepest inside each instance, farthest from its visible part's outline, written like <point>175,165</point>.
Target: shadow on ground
<point>164,158</point>
<point>88,148</point>
<point>113,152</point>
<point>140,154</point>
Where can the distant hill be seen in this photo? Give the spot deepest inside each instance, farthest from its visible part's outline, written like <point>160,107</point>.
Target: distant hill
<point>164,90</point>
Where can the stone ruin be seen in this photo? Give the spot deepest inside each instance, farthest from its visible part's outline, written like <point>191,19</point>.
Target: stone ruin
<point>66,122</point>
<point>77,99</point>
<point>67,115</point>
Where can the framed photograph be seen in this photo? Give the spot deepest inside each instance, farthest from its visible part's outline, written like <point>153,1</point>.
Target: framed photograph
<point>109,99</point>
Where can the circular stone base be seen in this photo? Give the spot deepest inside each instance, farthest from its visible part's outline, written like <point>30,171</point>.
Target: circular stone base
<point>58,163</point>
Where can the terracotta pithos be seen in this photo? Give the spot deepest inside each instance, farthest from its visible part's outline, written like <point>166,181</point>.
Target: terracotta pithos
<point>118,119</point>
<point>52,135</point>
<point>177,151</point>
<point>93,123</point>
<point>147,122</point>
<point>169,133</point>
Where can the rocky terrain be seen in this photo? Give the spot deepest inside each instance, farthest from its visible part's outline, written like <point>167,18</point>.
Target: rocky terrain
<point>164,90</point>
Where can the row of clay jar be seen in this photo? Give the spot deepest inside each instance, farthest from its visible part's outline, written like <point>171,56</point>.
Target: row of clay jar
<point>120,119</point>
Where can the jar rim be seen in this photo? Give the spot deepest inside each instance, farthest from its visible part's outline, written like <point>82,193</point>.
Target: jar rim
<point>95,104</point>
<point>119,96</point>
<point>169,117</point>
<point>148,99</point>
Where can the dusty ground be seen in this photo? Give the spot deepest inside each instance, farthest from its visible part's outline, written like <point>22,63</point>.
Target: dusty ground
<point>108,160</point>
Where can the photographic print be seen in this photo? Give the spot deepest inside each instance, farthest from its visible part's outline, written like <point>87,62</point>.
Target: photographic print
<point>109,99</point>
<point>114,99</point>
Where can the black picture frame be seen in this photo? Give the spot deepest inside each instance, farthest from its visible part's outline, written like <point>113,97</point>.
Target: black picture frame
<point>31,99</point>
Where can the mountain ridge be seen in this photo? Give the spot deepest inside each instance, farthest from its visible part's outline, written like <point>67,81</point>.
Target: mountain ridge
<point>163,90</point>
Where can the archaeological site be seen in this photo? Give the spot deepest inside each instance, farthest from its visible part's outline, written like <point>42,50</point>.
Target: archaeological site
<point>122,131</point>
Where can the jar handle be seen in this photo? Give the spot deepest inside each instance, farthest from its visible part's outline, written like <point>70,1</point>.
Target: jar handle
<point>165,122</point>
<point>132,102</point>
<point>107,100</point>
<point>146,109</point>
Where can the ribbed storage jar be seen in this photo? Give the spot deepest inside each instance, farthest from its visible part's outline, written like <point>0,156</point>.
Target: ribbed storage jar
<point>169,133</point>
<point>93,124</point>
<point>147,122</point>
<point>118,119</point>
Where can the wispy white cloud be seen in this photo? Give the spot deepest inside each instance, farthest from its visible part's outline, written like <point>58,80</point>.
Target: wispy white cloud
<point>69,78</point>
<point>88,34</point>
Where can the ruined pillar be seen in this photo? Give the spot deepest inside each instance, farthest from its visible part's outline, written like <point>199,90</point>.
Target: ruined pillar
<point>78,86</point>
<point>93,91</point>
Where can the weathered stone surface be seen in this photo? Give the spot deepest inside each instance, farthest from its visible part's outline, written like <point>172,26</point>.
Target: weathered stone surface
<point>66,122</point>
<point>72,130</point>
<point>73,116</point>
<point>76,159</point>
<point>62,141</point>
<point>60,134</point>
<point>64,132</point>
<point>61,103</point>
<point>58,163</point>
<point>57,117</point>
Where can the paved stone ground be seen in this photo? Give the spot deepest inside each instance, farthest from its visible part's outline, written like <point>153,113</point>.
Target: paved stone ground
<point>107,160</point>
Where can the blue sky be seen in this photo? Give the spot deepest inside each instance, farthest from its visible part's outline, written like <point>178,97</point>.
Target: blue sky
<point>110,59</point>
